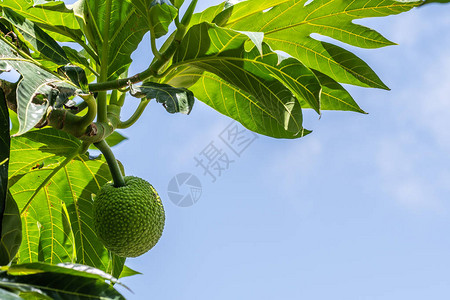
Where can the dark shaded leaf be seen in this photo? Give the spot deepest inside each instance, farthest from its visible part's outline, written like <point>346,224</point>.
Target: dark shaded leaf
<point>76,57</point>
<point>62,268</point>
<point>10,225</point>
<point>173,99</point>
<point>4,153</point>
<point>76,75</point>
<point>11,231</point>
<point>57,285</point>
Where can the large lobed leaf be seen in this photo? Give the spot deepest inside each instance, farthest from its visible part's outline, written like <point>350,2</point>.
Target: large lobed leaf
<point>54,195</point>
<point>221,76</point>
<point>289,25</point>
<point>267,88</point>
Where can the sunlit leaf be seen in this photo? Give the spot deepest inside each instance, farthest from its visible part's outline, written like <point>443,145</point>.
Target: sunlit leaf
<point>275,86</point>
<point>161,14</point>
<point>129,272</point>
<point>334,96</point>
<point>52,16</point>
<point>126,29</point>
<point>288,27</point>
<point>236,103</point>
<point>54,195</point>
<point>36,38</point>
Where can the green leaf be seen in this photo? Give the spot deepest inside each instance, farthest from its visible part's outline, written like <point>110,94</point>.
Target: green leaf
<point>233,13</point>
<point>57,282</point>
<point>334,96</point>
<point>53,16</point>
<point>207,15</point>
<point>276,86</point>
<point>54,195</point>
<point>4,153</point>
<point>76,75</point>
<point>236,103</point>
<point>173,99</point>
<point>113,139</point>
<point>10,225</point>
<point>35,38</point>
<point>127,272</point>
<point>62,268</point>
<point>177,3</point>
<point>11,231</point>
<point>36,81</point>
<point>161,14</point>
<point>76,57</point>
<point>288,27</point>
<point>126,30</point>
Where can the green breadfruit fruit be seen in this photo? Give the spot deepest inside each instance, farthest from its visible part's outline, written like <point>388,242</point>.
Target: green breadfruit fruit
<point>129,220</point>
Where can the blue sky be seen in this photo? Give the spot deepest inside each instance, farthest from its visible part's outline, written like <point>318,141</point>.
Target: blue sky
<point>356,210</point>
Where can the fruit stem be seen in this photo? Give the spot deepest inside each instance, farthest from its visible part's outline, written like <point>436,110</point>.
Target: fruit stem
<point>112,163</point>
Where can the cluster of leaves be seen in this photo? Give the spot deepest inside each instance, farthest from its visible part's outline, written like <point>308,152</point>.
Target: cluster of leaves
<point>254,61</point>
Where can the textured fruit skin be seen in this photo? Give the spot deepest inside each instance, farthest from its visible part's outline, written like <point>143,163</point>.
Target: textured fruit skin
<point>129,220</point>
